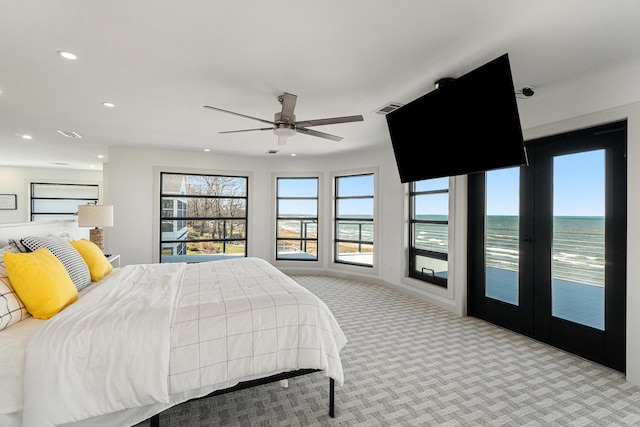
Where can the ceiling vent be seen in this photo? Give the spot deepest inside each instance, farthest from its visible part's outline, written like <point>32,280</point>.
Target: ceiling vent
<point>272,151</point>
<point>69,133</point>
<point>391,106</point>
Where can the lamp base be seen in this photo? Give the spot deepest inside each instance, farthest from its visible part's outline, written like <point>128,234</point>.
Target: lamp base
<point>96,235</point>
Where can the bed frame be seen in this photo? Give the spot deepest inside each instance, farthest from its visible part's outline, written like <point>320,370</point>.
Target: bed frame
<point>155,420</point>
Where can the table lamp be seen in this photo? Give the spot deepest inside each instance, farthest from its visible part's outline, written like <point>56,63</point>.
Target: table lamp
<point>96,216</point>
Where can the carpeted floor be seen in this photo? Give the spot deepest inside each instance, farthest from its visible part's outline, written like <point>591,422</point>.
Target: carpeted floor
<point>408,363</point>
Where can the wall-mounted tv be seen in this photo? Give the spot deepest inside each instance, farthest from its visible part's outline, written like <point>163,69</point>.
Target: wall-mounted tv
<point>468,124</point>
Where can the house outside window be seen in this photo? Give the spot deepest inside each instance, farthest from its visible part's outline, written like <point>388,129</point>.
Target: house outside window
<point>429,230</point>
<point>354,219</point>
<point>297,218</point>
<point>202,217</point>
<point>59,201</point>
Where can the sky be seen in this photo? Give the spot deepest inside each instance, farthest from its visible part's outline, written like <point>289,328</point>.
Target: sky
<point>578,186</point>
<point>578,189</point>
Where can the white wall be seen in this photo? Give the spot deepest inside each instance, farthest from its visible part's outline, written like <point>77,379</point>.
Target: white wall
<point>16,180</point>
<point>130,187</point>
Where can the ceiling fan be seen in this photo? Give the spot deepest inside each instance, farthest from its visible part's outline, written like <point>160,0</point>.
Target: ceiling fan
<point>285,125</point>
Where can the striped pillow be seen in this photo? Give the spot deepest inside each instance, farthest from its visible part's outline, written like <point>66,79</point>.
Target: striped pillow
<point>68,256</point>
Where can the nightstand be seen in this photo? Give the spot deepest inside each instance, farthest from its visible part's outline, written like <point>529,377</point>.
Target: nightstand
<point>114,259</point>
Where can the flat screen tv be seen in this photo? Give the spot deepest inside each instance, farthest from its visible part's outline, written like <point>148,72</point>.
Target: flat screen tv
<point>468,124</point>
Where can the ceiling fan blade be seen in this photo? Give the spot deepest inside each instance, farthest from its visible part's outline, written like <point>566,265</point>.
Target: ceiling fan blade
<point>334,120</point>
<point>238,114</point>
<point>245,130</point>
<point>282,140</point>
<point>319,134</point>
<point>288,105</point>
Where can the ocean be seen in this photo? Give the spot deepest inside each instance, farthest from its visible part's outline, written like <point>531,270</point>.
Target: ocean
<point>578,243</point>
<point>577,248</point>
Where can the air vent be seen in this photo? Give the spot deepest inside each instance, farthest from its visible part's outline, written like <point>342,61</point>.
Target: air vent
<point>69,133</point>
<point>272,151</point>
<point>59,163</point>
<point>386,109</point>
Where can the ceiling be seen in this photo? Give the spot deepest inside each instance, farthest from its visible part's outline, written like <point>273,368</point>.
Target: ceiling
<point>161,61</point>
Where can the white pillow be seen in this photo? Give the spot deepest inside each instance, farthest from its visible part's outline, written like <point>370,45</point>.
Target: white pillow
<point>9,248</point>
<point>12,310</point>
<point>18,245</point>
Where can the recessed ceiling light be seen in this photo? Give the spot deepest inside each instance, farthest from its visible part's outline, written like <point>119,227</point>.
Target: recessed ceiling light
<point>67,55</point>
<point>27,137</point>
<point>108,104</point>
<point>92,166</point>
<point>207,150</point>
<point>100,156</point>
<point>293,154</point>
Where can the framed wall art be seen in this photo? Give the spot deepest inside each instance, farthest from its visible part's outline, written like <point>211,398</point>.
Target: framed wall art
<point>8,201</point>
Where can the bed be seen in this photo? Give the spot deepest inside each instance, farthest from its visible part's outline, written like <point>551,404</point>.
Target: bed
<point>148,337</point>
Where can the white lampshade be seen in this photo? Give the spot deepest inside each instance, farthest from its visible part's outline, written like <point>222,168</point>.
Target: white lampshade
<point>95,216</point>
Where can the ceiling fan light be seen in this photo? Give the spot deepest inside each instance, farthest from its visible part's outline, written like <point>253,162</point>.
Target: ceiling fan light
<point>284,130</point>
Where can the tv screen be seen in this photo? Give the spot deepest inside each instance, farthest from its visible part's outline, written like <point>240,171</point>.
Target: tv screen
<point>469,124</point>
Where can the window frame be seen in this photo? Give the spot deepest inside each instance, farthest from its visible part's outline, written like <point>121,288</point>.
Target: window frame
<point>337,219</point>
<point>303,239</point>
<point>67,215</point>
<point>413,251</point>
<point>162,197</point>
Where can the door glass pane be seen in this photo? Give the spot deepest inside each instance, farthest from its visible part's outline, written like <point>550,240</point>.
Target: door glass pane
<point>501,237</point>
<point>578,258</point>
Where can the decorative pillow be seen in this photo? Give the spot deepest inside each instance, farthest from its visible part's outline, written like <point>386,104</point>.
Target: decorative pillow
<point>18,245</point>
<point>41,282</point>
<point>67,254</point>
<point>11,249</point>
<point>12,310</point>
<point>99,265</point>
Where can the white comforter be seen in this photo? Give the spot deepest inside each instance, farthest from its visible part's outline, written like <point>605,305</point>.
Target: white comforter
<point>181,331</point>
<point>107,352</point>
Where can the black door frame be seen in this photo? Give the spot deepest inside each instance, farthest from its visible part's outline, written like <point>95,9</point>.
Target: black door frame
<point>532,316</point>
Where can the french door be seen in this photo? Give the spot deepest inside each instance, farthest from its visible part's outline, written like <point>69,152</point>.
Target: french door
<point>547,244</point>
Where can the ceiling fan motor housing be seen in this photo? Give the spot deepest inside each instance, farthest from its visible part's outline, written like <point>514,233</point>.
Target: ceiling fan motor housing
<point>284,127</point>
<point>277,117</point>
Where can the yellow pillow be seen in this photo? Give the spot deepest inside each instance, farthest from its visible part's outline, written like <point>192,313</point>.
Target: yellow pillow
<point>41,282</point>
<point>99,265</point>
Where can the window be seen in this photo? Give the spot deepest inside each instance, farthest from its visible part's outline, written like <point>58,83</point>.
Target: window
<point>429,230</point>
<point>297,219</point>
<point>202,217</point>
<point>354,220</point>
<point>54,201</point>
